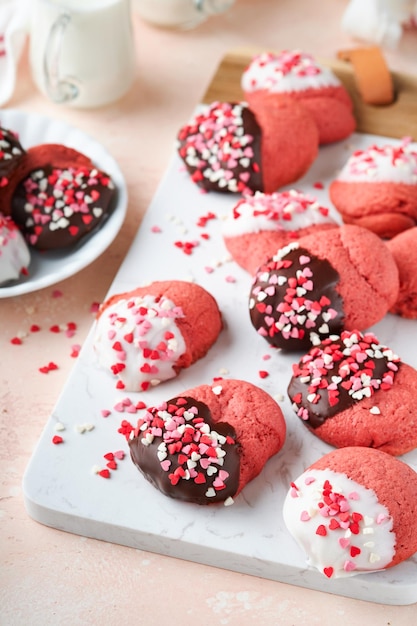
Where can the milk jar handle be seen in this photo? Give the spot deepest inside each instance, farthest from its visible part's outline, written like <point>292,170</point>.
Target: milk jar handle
<point>59,90</point>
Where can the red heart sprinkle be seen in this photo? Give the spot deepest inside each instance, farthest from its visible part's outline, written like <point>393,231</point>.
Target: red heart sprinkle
<point>321,530</point>
<point>328,571</point>
<point>56,439</point>
<point>104,473</point>
<point>354,551</point>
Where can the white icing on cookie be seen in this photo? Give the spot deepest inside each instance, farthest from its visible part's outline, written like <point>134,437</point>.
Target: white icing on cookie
<point>286,211</point>
<point>388,163</point>
<point>14,253</point>
<point>290,70</point>
<point>138,340</point>
<point>339,523</point>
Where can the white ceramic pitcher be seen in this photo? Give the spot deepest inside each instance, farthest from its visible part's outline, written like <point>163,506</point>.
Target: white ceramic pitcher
<point>82,52</point>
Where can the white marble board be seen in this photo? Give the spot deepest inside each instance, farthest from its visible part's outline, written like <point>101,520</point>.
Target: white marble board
<point>62,491</point>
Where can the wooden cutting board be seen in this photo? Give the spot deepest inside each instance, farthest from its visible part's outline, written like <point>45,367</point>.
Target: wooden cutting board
<point>398,119</point>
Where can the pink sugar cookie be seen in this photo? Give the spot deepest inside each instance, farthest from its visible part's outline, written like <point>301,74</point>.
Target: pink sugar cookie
<point>377,189</point>
<point>322,284</point>
<point>403,248</point>
<point>354,511</point>
<point>350,390</point>
<point>263,223</point>
<point>227,148</point>
<point>149,334</point>
<point>205,445</point>
<point>291,73</point>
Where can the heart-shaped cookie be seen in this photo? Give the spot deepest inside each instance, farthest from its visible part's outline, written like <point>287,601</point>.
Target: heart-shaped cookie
<point>353,391</point>
<point>227,148</point>
<point>293,295</point>
<point>354,511</point>
<point>149,334</point>
<point>294,74</point>
<point>333,283</point>
<point>261,224</point>
<point>58,202</point>
<point>377,188</point>
<point>11,153</point>
<point>205,445</point>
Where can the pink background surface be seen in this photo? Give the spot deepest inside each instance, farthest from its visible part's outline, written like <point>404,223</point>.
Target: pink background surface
<point>51,577</point>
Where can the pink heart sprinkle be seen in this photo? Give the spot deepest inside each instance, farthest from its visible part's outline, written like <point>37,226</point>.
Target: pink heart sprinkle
<point>304,259</point>
<point>344,542</point>
<point>361,357</point>
<point>166,465</point>
<point>349,566</point>
<point>119,454</point>
<point>309,479</point>
<point>304,517</point>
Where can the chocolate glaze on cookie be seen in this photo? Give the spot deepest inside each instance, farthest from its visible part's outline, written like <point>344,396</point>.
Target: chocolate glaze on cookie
<point>339,372</point>
<point>10,154</point>
<point>293,295</point>
<point>56,206</point>
<point>221,148</point>
<point>185,454</point>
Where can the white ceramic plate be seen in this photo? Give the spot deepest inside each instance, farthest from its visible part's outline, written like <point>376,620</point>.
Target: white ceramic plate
<point>49,268</point>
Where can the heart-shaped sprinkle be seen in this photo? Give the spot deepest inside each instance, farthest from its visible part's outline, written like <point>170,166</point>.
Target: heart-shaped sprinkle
<point>321,530</point>
<point>354,551</point>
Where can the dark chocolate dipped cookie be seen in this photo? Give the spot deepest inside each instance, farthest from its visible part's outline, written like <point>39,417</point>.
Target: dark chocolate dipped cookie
<point>205,445</point>
<point>350,390</point>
